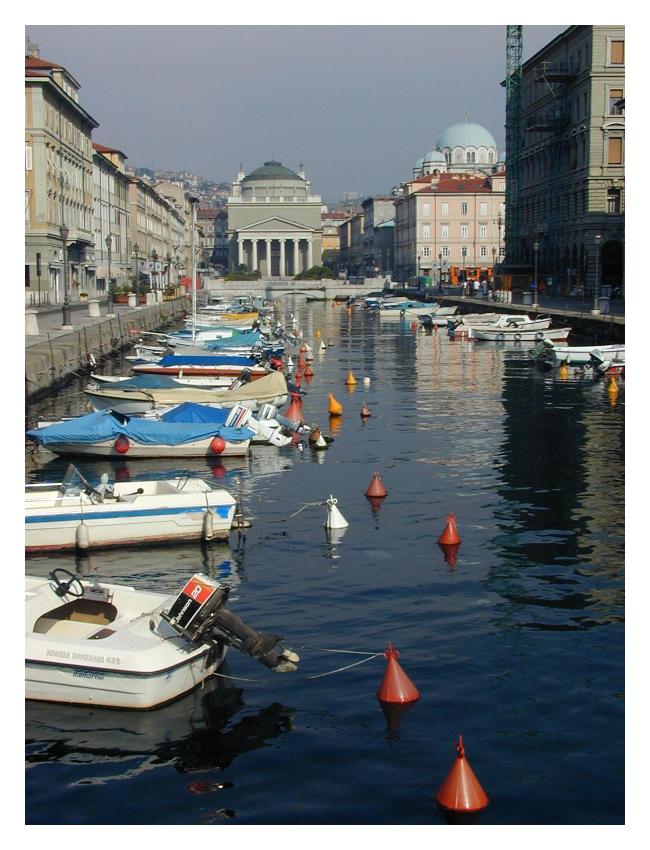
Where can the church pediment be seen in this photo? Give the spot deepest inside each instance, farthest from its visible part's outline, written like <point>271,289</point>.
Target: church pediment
<point>275,224</point>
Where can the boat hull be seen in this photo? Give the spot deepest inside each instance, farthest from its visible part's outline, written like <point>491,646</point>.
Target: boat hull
<point>106,448</point>
<point>517,336</point>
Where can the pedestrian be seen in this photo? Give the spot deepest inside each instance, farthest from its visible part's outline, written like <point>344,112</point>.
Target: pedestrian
<point>477,287</point>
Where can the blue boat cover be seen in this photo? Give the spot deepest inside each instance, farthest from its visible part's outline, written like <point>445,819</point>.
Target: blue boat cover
<point>190,411</point>
<point>143,382</point>
<point>232,341</point>
<point>106,425</point>
<point>205,360</point>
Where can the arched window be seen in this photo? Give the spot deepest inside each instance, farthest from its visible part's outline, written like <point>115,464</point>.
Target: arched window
<point>470,156</point>
<point>490,156</point>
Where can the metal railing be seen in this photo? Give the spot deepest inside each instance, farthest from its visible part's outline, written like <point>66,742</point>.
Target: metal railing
<point>37,299</point>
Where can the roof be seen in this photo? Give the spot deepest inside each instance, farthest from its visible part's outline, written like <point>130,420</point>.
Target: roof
<point>35,63</point>
<point>466,135</point>
<point>449,185</point>
<point>272,170</point>
<point>103,149</point>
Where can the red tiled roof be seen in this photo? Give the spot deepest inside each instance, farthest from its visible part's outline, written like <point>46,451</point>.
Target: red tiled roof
<point>37,62</point>
<point>103,149</point>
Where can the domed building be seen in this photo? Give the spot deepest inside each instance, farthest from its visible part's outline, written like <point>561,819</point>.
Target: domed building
<point>463,147</point>
<point>274,222</point>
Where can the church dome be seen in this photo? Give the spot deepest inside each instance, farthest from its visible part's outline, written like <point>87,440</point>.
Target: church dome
<point>272,170</point>
<point>465,135</point>
<point>434,156</point>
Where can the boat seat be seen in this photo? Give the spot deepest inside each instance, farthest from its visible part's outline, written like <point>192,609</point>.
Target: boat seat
<point>63,628</point>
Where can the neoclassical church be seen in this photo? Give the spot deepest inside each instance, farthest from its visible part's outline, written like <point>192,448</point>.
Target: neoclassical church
<point>274,222</point>
<point>463,147</point>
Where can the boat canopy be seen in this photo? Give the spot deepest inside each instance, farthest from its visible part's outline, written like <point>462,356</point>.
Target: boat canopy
<point>206,360</point>
<point>190,411</point>
<point>146,382</point>
<point>107,425</point>
<point>234,340</point>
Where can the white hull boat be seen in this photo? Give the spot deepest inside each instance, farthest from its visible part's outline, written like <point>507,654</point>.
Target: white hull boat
<point>74,515</point>
<point>520,334</point>
<point>578,355</point>
<point>114,646</point>
<point>507,322</point>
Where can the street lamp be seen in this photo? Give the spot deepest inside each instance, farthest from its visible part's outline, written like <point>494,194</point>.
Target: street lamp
<point>596,309</point>
<point>535,303</point>
<point>168,260</point>
<point>440,271</point>
<point>67,314</point>
<point>136,251</point>
<point>499,224</point>
<point>109,244</point>
<point>154,260</point>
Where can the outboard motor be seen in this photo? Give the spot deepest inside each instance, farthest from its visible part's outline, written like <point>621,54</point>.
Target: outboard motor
<point>199,614</point>
<point>244,377</point>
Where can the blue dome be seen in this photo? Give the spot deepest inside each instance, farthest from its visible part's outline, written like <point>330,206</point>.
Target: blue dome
<point>419,163</point>
<point>466,135</point>
<point>434,156</point>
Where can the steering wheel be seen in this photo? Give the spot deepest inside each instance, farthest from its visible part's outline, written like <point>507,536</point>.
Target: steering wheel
<point>63,587</point>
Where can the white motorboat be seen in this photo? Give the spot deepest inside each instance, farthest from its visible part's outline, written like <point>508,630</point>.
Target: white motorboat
<point>577,355</point>
<point>516,334</point>
<point>74,514</point>
<point>518,321</point>
<point>115,646</point>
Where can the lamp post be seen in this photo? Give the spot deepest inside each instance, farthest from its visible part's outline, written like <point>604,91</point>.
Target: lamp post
<point>109,245</point>
<point>596,310</point>
<point>535,302</point>
<point>499,223</point>
<point>136,252</point>
<point>440,271</point>
<point>168,260</point>
<point>67,313</point>
<point>154,260</point>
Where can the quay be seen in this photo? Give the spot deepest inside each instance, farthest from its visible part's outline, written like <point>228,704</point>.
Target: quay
<point>56,355</point>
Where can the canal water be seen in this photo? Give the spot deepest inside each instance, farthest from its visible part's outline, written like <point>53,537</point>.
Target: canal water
<point>516,643</point>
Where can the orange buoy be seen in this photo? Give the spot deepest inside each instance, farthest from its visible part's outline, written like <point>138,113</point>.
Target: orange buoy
<point>296,379</point>
<point>414,326</point>
<point>450,534</point>
<point>376,489</point>
<point>301,362</point>
<point>612,387</point>
<point>335,423</point>
<point>217,445</point>
<point>350,380</point>
<point>396,685</point>
<point>365,411</point>
<point>309,373</point>
<point>335,407</point>
<point>122,444</point>
<point>295,409</point>
<point>461,791</point>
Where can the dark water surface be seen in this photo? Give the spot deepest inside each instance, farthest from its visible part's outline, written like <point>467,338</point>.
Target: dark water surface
<point>518,646</point>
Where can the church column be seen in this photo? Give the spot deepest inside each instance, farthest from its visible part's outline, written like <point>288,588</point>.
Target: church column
<point>283,268</point>
<point>254,255</point>
<point>269,273</point>
<point>310,255</point>
<point>296,257</point>
<point>240,250</point>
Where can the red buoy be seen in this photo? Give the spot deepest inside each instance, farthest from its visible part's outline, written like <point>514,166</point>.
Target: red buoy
<point>396,685</point>
<point>376,489</point>
<point>450,534</point>
<point>217,445</point>
<point>294,412</point>
<point>297,379</point>
<point>461,791</point>
<point>122,445</point>
<point>365,411</point>
<point>309,372</point>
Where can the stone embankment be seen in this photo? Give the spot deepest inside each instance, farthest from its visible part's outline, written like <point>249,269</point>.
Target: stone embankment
<point>54,356</point>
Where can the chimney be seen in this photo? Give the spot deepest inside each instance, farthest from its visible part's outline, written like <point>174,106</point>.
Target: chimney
<point>32,49</point>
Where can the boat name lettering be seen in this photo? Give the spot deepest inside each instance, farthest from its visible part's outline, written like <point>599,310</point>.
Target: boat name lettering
<point>88,674</point>
<point>59,653</point>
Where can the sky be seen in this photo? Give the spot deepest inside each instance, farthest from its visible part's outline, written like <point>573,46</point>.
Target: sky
<point>357,105</point>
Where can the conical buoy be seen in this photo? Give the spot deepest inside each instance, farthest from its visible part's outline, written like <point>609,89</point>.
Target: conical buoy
<point>396,685</point>
<point>309,373</point>
<point>334,518</point>
<point>335,423</point>
<point>366,381</point>
<point>461,791</point>
<point>612,387</point>
<point>350,380</point>
<point>322,346</point>
<point>335,407</point>
<point>301,362</point>
<point>317,334</point>
<point>365,411</point>
<point>295,409</point>
<point>450,534</point>
<point>376,489</point>
<point>297,379</point>
<point>563,372</point>
<point>290,363</point>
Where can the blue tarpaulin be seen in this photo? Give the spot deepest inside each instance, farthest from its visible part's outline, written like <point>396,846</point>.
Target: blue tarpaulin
<point>206,360</point>
<point>106,425</point>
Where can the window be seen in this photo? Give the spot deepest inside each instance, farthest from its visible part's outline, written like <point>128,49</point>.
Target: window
<point>426,208</point>
<point>483,231</point>
<point>616,101</point>
<point>28,157</point>
<point>464,231</point>
<point>483,251</point>
<point>483,209</point>
<point>613,200</point>
<point>426,251</point>
<point>617,53</point>
<point>463,209</point>
<point>444,209</point>
<point>471,156</point>
<point>615,151</point>
<point>426,231</point>
<point>445,250</point>
<point>463,252</point>
<point>445,231</point>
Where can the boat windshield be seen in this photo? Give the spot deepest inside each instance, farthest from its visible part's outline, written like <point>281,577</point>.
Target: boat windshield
<point>73,483</point>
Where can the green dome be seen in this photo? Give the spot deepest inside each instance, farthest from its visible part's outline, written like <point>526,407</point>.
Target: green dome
<point>272,170</point>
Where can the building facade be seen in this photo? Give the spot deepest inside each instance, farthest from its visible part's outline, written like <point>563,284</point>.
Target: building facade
<point>274,222</point>
<point>111,221</point>
<point>376,210</point>
<point>449,226</point>
<point>59,225</point>
<point>331,221</point>
<point>572,167</point>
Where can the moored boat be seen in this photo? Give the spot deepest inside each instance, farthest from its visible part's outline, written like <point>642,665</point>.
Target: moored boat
<point>517,334</point>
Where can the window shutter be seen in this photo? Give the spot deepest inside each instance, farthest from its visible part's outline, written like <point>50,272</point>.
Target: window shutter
<point>615,152</point>
<point>617,53</point>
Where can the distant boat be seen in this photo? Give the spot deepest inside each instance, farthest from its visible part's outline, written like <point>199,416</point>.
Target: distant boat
<point>577,355</point>
<point>517,334</point>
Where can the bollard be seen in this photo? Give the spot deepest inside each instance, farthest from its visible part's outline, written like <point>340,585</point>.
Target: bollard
<point>31,323</point>
<point>93,309</point>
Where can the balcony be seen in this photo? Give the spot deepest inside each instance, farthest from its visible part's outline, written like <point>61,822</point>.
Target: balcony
<point>555,72</point>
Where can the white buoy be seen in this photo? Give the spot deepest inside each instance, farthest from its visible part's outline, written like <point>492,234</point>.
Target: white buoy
<point>81,536</point>
<point>290,362</point>
<point>366,381</point>
<point>334,518</point>
<point>208,525</point>
<point>322,345</point>
<point>320,442</point>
